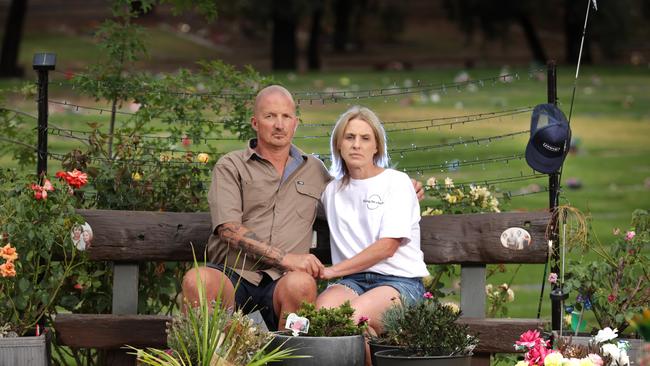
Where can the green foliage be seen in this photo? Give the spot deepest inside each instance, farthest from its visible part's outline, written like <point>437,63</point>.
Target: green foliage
<point>617,284</point>
<point>427,328</point>
<point>209,335</point>
<point>39,230</point>
<point>448,199</point>
<point>331,322</point>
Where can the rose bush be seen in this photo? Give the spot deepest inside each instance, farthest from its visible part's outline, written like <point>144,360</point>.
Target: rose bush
<point>38,254</point>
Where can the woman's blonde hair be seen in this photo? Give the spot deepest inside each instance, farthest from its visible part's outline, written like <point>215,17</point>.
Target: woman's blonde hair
<point>338,169</point>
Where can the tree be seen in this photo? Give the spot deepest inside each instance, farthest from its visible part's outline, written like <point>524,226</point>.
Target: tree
<point>284,49</point>
<point>494,21</point>
<point>11,42</point>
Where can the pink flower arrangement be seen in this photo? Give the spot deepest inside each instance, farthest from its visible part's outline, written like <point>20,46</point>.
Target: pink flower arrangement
<point>538,352</point>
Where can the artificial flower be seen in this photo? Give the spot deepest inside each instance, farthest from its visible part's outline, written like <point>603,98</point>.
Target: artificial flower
<point>611,350</point>
<point>528,339</point>
<point>595,359</point>
<point>554,359</point>
<point>605,335</point>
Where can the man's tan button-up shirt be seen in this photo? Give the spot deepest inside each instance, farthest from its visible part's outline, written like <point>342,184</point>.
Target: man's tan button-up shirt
<point>247,189</point>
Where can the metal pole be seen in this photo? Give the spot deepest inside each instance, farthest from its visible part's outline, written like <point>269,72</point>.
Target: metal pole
<point>557,295</point>
<point>42,63</point>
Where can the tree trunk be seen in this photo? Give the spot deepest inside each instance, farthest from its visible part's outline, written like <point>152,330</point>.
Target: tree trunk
<point>313,49</point>
<point>535,45</point>
<point>284,50</point>
<point>573,24</point>
<point>341,25</point>
<point>11,43</point>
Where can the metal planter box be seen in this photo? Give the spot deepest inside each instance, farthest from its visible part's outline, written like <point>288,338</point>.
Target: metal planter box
<point>25,351</point>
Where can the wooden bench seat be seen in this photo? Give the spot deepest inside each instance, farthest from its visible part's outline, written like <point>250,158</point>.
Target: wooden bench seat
<point>128,238</point>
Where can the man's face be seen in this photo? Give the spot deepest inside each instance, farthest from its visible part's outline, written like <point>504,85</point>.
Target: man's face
<point>275,120</point>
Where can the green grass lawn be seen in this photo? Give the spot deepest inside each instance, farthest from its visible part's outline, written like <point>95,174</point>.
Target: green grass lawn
<point>610,123</point>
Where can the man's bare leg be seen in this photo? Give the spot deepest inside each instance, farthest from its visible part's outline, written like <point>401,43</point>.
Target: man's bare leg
<point>292,289</point>
<point>217,286</point>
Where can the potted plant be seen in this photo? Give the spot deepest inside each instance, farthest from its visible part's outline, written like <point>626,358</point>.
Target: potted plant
<point>212,335</point>
<point>333,338</point>
<point>616,284</point>
<point>37,256</point>
<point>428,333</point>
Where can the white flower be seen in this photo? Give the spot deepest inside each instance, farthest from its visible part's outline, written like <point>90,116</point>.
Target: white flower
<point>605,335</point>
<point>624,359</point>
<point>431,182</point>
<point>511,295</point>
<point>449,183</point>
<point>612,351</point>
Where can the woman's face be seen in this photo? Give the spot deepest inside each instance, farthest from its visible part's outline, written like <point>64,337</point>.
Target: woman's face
<point>358,145</point>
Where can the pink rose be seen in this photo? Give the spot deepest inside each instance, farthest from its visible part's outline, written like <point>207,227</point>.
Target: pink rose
<point>630,235</point>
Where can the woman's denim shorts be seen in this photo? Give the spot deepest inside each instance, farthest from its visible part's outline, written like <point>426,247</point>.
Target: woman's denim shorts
<point>410,289</point>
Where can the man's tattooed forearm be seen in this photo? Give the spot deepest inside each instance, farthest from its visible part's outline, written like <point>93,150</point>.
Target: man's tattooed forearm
<point>240,237</point>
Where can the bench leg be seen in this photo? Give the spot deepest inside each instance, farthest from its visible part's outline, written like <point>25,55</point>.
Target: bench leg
<point>119,357</point>
<point>481,359</point>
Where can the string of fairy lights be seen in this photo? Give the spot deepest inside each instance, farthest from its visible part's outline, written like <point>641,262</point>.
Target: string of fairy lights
<point>174,150</point>
<point>300,97</point>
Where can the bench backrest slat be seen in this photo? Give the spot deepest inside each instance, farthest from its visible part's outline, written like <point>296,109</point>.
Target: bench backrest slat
<point>136,236</point>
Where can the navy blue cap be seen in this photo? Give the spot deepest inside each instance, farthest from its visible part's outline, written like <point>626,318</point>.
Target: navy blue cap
<point>550,137</point>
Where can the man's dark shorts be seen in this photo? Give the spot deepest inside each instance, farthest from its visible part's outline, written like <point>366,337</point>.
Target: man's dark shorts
<point>249,297</point>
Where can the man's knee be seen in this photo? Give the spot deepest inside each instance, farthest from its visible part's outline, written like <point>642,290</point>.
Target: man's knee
<point>299,286</point>
<point>212,281</point>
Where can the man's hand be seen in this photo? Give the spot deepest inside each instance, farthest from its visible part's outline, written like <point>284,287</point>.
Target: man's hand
<point>418,189</point>
<point>328,274</point>
<point>304,263</point>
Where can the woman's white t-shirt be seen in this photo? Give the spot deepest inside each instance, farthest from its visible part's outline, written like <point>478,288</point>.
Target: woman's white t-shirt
<point>384,206</point>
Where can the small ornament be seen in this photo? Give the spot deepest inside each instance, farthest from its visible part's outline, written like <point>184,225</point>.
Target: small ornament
<point>82,236</point>
<point>515,238</point>
<point>297,324</point>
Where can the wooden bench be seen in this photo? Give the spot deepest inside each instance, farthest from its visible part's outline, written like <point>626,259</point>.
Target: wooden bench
<point>127,238</point>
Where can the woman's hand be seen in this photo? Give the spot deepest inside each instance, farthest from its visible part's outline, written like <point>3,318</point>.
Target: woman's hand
<point>328,273</point>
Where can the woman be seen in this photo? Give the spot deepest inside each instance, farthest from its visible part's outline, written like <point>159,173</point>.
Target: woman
<point>373,216</point>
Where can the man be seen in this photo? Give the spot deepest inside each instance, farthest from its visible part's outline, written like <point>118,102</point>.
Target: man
<point>263,202</point>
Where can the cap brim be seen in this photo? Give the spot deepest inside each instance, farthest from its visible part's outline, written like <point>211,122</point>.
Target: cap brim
<point>542,163</point>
